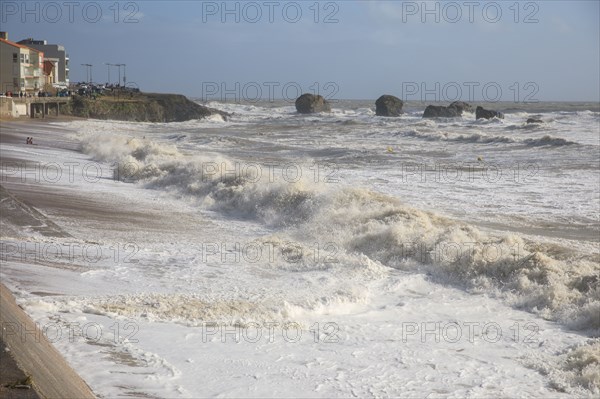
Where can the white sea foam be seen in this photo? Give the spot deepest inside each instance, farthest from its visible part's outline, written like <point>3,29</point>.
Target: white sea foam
<point>379,226</point>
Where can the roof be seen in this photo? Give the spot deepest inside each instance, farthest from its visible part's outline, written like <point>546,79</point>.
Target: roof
<point>19,45</point>
<point>48,67</point>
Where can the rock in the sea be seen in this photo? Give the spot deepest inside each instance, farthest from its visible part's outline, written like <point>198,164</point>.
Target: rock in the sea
<point>481,112</point>
<point>453,110</point>
<point>439,111</point>
<point>533,120</point>
<point>461,106</point>
<point>310,104</point>
<point>387,105</point>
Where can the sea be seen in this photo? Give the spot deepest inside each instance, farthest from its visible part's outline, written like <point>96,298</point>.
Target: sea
<point>337,254</point>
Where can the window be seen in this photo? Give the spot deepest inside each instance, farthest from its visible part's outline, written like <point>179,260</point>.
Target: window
<point>15,57</point>
<point>22,58</point>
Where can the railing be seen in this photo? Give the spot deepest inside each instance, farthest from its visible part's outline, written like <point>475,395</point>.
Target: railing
<point>31,71</point>
<point>29,100</point>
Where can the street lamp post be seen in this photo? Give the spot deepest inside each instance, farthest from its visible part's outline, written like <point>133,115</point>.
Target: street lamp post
<point>88,72</point>
<point>108,65</point>
<point>119,67</point>
<point>124,75</point>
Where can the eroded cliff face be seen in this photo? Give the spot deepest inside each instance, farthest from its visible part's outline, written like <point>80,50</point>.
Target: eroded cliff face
<point>141,107</point>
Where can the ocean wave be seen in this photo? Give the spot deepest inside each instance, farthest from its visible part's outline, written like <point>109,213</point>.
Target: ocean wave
<point>465,138</point>
<point>482,138</point>
<point>525,126</point>
<point>548,141</point>
<point>187,309</point>
<point>551,282</point>
<point>574,368</point>
<point>524,273</point>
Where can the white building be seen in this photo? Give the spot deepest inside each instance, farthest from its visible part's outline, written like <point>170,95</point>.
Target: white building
<point>55,53</point>
<point>21,67</point>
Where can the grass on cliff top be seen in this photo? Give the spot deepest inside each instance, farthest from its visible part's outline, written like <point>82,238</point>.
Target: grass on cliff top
<point>131,97</point>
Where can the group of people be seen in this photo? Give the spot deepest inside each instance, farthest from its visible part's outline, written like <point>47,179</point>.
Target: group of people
<point>39,93</point>
<point>29,140</point>
<point>21,94</point>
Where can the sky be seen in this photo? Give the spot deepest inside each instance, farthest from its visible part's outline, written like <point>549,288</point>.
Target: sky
<point>243,50</point>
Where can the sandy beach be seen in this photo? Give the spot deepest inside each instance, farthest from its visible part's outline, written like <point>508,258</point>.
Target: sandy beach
<point>29,356</point>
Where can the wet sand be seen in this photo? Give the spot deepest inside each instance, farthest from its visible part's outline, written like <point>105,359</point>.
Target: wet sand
<point>28,359</point>
<point>55,212</point>
<point>85,207</point>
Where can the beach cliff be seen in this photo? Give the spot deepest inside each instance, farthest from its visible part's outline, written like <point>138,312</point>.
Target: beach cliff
<point>140,107</point>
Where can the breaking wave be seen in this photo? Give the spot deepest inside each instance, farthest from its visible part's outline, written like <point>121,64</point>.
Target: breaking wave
<point>551,281</point>
<point>574,368</point>
<point>483,138</point>
<point>548,141</point>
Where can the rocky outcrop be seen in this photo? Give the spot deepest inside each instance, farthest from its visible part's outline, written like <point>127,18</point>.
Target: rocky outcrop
<point>311,103</point>
<point>453,110</point>
<point>461,106</point>
<point>141,107</point>
<point>482,113</point>
<point>387,105</point>
<point>533,120</point>
<point>439,111</point>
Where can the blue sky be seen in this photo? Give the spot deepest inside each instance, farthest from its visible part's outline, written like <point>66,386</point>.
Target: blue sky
<point>544,50</point>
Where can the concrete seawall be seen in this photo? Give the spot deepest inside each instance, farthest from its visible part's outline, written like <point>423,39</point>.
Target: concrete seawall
<point>15,107</point>
<point>51,375</point>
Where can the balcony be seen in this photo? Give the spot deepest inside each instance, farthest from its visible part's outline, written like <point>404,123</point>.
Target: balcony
<point>31,72</point>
